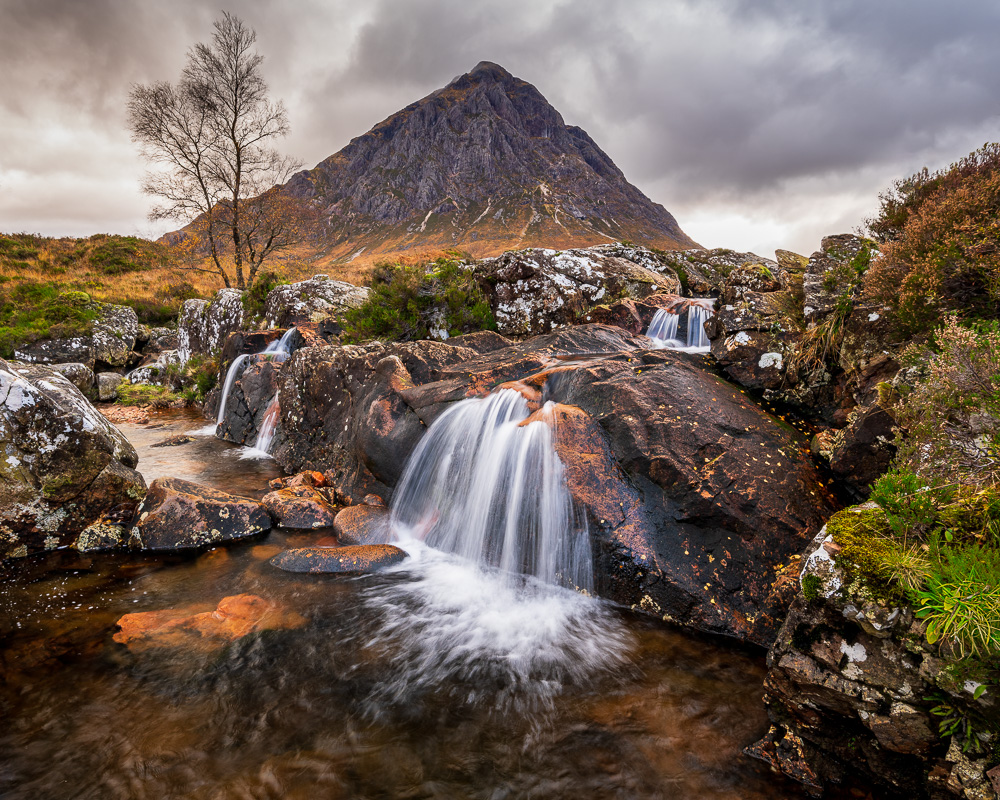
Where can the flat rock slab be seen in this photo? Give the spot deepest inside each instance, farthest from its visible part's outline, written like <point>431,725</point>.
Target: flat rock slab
<point>364,524</point>
<point>299,507</point>
<point>180,515</point>
<point>342,560</point>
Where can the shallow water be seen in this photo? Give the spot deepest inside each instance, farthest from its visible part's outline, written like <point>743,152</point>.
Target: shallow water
<point>434,680</point>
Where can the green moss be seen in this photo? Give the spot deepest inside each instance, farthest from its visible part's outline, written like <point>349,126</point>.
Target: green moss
<point>811,584</point>
<point>140,394</point>
<point>33,311</point>
<point>867,553</point>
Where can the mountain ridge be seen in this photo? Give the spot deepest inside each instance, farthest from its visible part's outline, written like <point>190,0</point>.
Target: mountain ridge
<point>484,164</point>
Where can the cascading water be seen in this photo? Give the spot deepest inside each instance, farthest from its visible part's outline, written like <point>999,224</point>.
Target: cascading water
<point>486,486</point>
<point>267,428</point>
<point>279,350</point>
<point>665,325</point>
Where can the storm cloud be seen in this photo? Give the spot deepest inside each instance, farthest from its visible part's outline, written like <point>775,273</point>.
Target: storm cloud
<point>758,124</point>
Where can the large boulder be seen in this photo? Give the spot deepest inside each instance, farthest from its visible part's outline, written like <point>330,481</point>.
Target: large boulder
<point>306,301</point>
<point>204,326</point>
<point>81,376</point>
<point>63,467</point>
<point>182,515</point>
<point>75,350</point>
<point>115,332</point>
<point>702,272</point>
<point>536,291</point>
<point>299,507</point>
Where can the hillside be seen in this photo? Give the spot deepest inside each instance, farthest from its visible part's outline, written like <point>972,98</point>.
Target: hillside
<point>485,164</point>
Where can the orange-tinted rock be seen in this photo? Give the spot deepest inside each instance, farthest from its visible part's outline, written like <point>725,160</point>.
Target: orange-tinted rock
<point>204,628</point>
<point>347,560</point>
<point>308,478</point>
<point>373,500</point>
<point>364,524</point>
<point>179,514</point>
<point>300,507</point>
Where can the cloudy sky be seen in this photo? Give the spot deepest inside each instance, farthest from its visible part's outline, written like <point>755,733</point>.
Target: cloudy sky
<point>758,124</point>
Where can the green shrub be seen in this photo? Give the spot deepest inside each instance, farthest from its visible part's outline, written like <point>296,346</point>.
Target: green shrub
<point>254,297</point>
<point>405,301</point>
<point>141,394</point>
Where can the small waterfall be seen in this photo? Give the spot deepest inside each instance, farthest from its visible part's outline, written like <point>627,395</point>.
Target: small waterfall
<point>485,486</point>
<point>267,428</point>
<point>279,350</point>
<point>664,329</point>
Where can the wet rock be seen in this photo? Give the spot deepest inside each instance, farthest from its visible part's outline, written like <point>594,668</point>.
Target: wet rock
<point>78,350</point>
<point>537,291</point>
<point>179,515</point>
<point>362,524</point>
<point>81,376</point>
<point>301,507</point>
<point>204,326</point>
<point>481,341</point>
<point>107,386</point>
<point>310,300</point>
<point>863,450</point>
<point>115,332</point>
<point>194,628</point>
<point>346,560</point>
<point>174,441</point>
<point>248,401</point>
<point>62,464</point>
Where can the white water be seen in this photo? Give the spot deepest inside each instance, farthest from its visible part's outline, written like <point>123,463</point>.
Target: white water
<point>665,325</point>
<point>262,446</point>
<point>279,350</point>
<point>488,488</point>
<point>454,624</point>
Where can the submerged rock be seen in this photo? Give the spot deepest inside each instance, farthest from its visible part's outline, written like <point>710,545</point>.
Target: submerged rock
<point>180,515</point>
<point>194,628</point>
<point>62,464</point>
<point>347,560</point>
<point>301,507</point>
<point>362,524</point>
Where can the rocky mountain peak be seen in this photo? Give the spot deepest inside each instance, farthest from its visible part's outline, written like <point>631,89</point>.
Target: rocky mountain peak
<point>486,164</point>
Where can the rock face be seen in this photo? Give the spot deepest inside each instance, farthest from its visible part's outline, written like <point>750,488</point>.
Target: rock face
<point>680,474</point>
<point>115,332</point>
<point>849,689</point>
<point>295,303</point>
<point>484,164</point>
<point>181,515</point>
<point>536,291</point>
<point>204,326</point>
<point>63,467</point>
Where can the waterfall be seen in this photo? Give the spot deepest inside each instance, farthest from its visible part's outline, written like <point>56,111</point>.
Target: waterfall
<point>279,350</point>
<point>485,486</point>
<point>664,329</point>
<point>269,425</point>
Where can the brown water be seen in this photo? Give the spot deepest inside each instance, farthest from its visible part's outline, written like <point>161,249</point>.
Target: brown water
<point>426,682</point>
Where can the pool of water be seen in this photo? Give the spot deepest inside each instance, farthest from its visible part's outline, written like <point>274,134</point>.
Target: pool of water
<point>432,680</point>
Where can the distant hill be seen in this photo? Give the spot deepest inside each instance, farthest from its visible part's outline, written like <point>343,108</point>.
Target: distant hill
<point>485,164</point>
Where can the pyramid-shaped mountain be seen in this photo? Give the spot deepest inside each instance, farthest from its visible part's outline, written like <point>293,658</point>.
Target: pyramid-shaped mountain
<point>485,164</point>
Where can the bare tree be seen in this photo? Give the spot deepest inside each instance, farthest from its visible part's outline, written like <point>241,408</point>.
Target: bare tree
<point>210,134</point>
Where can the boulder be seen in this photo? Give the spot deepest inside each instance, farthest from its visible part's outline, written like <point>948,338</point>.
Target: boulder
<point>115,332</point>
<point>156,370</point>
<point>310,300</point>
<point>81,376</point>
<point>182,515</point>
<point>204,326</point>
<point>536,291</point>
<point>205,629</point>
<point>107,386</point>
<point>702,272</point>
<point>62,465</point>
<point>344,560</point>
<point>362,524</point>
<point>156,340</point>
<point>301,507</point>
<point>77,350</point>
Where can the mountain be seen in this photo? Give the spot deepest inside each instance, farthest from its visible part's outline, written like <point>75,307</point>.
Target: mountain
<point>485,164</point>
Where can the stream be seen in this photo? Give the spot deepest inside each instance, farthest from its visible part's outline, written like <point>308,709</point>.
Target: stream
<point>435,679</point>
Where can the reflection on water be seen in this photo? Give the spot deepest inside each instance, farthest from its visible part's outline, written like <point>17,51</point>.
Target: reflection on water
<point>433,680</point>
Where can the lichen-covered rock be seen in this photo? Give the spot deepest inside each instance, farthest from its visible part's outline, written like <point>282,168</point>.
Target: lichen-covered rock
<point>345,560</point>
<point>362,524</point>
<point>852,681</point>
<point>62,465</point>
<point>204,326</point>
<point>79,350</point>
<point>703,271</point>
<point>115,332</point>
<point>832,271</point>
<point>156,371</point>
<point>537,291</point>
<point>182,515</point>
<point>300,507</point>
<point>306,301</point>
<point>107,386</point>
<point>81,376</point>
